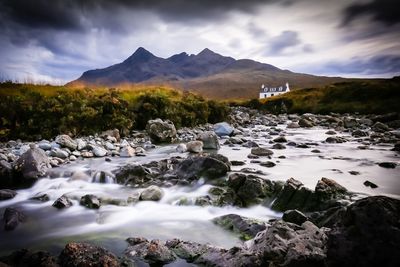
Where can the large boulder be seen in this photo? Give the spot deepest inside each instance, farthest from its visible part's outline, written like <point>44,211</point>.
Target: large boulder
<point>207,255</point>
<point>210,140</point>
<point>83,254</point>
<point>223,129</point>
<point>295,195</point>
<point>194,168</point>
<point>30,166</point>
<point>153,252</point>
<point>367,233</point>
<point>161,131</point>
<point>251,189</point>
<point>66,141</point>
<point>132,174</point>
<point>287,244</point>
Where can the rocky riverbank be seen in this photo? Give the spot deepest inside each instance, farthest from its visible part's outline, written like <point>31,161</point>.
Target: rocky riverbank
<point>324,226</point>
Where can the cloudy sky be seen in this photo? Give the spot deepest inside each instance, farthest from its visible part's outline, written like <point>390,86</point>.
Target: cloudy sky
<point>56,40</point>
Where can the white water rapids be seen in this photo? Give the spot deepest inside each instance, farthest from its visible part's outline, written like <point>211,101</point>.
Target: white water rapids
<point>50,229</point>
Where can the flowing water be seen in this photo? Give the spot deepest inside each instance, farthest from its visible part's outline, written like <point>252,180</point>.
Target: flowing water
<point>50,229</point>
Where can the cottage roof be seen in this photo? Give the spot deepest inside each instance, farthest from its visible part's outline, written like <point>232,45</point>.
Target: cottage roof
<point>273,89</point>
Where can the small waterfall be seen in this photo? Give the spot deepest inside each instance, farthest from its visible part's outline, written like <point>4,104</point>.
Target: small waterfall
<point>103,178</point>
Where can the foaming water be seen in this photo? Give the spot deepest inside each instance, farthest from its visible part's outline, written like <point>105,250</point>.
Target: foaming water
<point>49,228</point>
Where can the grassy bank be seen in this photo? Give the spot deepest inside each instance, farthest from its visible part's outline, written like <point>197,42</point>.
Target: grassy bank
<point>32,112</point>
<point>366,97</point>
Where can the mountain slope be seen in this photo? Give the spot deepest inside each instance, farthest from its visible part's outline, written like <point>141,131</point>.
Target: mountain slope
<point>208,73</point>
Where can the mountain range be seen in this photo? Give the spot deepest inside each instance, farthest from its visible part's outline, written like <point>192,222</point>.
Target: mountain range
<point>208,73</point>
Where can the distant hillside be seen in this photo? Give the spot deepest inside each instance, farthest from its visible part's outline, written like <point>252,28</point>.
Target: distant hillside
<point>207,73</point>
<point>368,97</point>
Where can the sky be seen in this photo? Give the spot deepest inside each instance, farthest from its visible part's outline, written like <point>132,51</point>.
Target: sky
<point>55,41</point>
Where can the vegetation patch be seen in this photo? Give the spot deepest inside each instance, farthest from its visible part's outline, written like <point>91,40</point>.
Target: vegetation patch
<point>32,112</point>
<point>365,97</point>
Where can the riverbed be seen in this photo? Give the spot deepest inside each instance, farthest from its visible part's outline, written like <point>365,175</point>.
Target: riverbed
<point>50,229</point>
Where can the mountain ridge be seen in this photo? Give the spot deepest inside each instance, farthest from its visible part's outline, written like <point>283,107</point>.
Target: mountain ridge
<point>207,73</point>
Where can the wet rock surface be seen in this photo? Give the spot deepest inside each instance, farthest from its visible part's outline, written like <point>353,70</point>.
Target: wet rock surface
<point>198,179</point>
<point>366,234</point>
<point>83,254</point>
<point>161,131</point>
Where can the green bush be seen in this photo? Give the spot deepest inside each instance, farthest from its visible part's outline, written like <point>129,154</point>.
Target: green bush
<point>366,97</point>
<point>32,113</point>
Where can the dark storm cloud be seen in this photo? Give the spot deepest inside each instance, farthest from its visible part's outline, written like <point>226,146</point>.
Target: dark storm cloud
<point>71,15</point>
<point>376,65</point>
<point>385,11</point>
<point>41,13</point>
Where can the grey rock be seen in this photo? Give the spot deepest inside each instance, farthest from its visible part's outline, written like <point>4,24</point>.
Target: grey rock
<point>251,189</point>
<point>80,144</point>
<point>132,174</point>
<point>278,146</point>
<point>210,140</point>
<point>294,216</point>
<point>87,154</point>
<point>245,228</point>
<point>380,127</point>
<point>370,184</point>
<point>223,129</point>
<point>62,202</point>
<point>41,197</point>
<point>366,234</point>
<point>99,151</point>
<point>161,131</point>
<point>45,145</point>
<point>195,146</point>
<point>280,139</point>
<point>83,254</point>
<point>388,165</point>
<point>181,148</point>
<point>90,201</point>
<point>152,193</point>
<point>111,133</point>
<point>153,252</point>
<point>12,217</point>
<point>59,153</point>
<point>286,244</point>
<point>66,141</point>
<point>127,151</point>
<point>193,168</point>
<point>30,166</point>
<point>293,125</point>
<point>6,194</point>
<point>268,164</point>
<point>305,123</point>
<point>261,151</point>
<point>349,122</point>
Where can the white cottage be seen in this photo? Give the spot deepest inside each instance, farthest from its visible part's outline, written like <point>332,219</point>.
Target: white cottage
<point>272,91</point>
